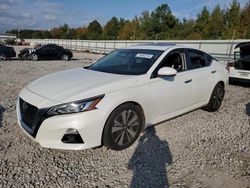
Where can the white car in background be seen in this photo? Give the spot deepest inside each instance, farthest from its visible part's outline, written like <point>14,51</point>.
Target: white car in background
<point>239,70</point>
<point>111,102</point>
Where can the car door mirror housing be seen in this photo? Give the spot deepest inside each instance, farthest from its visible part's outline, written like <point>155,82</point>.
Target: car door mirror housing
<point>167,71</point>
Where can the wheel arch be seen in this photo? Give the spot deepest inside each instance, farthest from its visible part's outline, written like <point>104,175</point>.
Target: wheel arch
<point>127,102</point>
<point>222,83</point>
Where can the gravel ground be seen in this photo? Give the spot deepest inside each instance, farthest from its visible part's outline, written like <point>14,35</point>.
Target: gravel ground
<point>199,149</point>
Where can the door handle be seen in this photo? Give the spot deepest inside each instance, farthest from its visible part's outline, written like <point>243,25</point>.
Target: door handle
<point>214,71</point>
<point>188,81</point>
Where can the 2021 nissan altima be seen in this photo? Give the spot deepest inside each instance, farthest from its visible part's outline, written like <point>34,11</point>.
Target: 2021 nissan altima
<point>111,102</point>
<point>47,52</point>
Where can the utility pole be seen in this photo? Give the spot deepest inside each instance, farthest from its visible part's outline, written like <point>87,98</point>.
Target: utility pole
<point>134,32</point>
<point>156,37</point>
<point>231,48</point>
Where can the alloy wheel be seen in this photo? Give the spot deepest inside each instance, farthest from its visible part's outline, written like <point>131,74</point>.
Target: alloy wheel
<point>65,57</point>
<point>217,97</point>
<point>125,127</point>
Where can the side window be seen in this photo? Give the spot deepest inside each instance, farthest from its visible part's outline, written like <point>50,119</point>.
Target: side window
<point>197,59</point>
<point>52,48</point>
<point>174,60</point>
<point>45,48</point>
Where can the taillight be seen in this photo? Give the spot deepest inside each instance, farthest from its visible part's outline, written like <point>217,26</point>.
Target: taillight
<point>231,64</point>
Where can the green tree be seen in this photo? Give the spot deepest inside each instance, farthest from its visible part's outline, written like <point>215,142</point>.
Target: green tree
<point>94,30</point>
<point>186,30</point>
<point>129,31</point>
<point>202,22</point>
<point>111,29</point>
<point>216,24</point>
<point>163,21</point>
<point>245,22</point>
<point>81,33</point>
<point>232,17</point>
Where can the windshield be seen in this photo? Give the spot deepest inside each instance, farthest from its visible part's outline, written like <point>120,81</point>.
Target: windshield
<point>38,46</point>
<point>127,61</point>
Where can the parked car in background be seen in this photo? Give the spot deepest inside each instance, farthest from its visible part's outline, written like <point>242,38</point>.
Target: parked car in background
<point>6,52</point>
<point>239,70</point>
<point>10,41</point>
<point>45,52</point>
<point>112,101</point>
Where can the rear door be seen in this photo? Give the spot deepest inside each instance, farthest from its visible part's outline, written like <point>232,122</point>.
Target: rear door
<point>198,65</point>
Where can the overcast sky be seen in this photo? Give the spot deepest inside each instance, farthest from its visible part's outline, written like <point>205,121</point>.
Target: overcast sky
<point>45,14</point>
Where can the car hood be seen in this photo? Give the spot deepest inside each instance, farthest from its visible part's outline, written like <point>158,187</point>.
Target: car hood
<point>76,84</point>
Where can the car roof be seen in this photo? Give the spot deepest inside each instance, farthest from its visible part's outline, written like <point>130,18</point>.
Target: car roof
<point>155,46</point>
<point>243,45</point>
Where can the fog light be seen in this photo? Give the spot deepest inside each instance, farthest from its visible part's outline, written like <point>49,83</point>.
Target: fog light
<point>72,136</point>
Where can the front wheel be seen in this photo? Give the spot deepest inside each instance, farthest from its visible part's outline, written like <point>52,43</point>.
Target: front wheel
<point>216,98</point>
<point>34,57</point>
<point>65,57</point>
<point>123,127</point>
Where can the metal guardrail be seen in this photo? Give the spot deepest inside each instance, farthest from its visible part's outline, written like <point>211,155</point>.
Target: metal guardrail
<point>221,49</point>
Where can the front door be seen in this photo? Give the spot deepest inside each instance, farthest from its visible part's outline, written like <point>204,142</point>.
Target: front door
<point>171,95</point>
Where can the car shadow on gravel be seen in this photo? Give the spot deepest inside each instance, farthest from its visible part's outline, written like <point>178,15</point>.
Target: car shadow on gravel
<point>149,161</point>
<point>248,109</point>
<point>2,110</point>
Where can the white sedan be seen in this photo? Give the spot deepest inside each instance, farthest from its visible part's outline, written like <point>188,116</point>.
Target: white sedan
<point>112,101</point>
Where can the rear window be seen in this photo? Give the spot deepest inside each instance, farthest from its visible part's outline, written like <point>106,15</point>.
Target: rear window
<point>197,59</point>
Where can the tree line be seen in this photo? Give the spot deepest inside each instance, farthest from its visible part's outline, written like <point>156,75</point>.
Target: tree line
<point>160,24</point>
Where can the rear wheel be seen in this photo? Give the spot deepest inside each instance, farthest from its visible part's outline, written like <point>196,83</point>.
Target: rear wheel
<point>65,57</point>
<point>216,98</point>
<point>123,127</point>
<point>2,57</point>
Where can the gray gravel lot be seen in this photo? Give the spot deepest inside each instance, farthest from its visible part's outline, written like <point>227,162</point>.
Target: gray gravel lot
<point>199,149</point>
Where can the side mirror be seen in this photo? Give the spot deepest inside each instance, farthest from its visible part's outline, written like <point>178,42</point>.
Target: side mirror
<point>167,71</point>
<point>236,56</point>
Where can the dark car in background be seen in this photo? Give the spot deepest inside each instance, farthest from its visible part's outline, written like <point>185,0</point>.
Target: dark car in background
<point>6,52</point>
<point>45,52</point>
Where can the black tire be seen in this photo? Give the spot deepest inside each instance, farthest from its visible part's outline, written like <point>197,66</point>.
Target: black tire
<point>216,98</point>
<point>34,57</point>
<point>119,134</point>
<point>2,57</point>
<point>65,57</point>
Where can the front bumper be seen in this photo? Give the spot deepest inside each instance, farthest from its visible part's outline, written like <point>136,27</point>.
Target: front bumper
<point>52,129</point>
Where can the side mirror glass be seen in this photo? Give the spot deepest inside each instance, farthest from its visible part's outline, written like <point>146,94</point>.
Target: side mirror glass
<point>236,56</point>
<point>167,71</point>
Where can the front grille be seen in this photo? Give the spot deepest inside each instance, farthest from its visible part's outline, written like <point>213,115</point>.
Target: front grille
<point>32,117</point>
<point>28,113</point>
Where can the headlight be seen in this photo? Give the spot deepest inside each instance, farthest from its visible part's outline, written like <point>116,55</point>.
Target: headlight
<point>75,107</point>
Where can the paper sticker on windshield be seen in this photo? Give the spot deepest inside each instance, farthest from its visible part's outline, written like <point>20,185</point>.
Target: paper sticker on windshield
<point>146,56</point>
